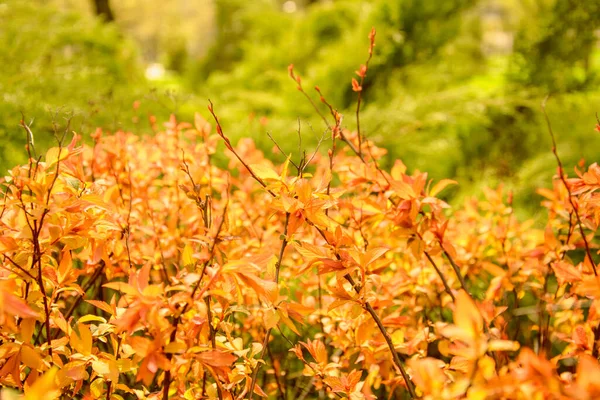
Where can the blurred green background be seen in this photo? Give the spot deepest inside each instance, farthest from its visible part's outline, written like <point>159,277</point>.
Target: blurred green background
<point>454,87</point>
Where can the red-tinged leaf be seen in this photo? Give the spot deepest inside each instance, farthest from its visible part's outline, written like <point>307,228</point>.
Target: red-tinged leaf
<point>108,369</point>
<point>566,272</point>
<point>259,391</point>
<point>353,380</point>
<point>317,350</point>
<point>217,359</point>
<point>580,338</point>
<point>297,350</point>
<point>11,367</point>
<point>356,86</point>
<point>141,345</point>
<point>263,288</point>
<point>129,320</point>
<point>328,265</point>
<point>449,248</point>
<point>13,305</point>
<point>336,384</point>
<point>73,372</point>
<point>8,244</point>
<point>362,72</point>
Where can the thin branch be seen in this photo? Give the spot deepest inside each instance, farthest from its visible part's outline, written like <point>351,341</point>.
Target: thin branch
<point>445,282</point>
<point>230,147</point>
<point>564,181</point>
<point>284,244</point>
<point>363,73</point>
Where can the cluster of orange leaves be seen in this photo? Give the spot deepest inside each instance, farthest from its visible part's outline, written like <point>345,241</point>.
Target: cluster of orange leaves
<point>137,268</point>
<point>152,259</point>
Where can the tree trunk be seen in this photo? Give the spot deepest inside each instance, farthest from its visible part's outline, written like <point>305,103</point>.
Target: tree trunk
<point>103,10</point>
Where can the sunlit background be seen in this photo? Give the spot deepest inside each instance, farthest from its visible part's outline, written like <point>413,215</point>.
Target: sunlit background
<point>454,87</point>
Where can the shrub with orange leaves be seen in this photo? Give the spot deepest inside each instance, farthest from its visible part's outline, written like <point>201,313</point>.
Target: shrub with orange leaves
<point>138,268</point>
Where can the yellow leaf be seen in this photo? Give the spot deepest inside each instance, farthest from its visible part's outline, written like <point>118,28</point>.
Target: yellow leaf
<point>102,305</point>
<point>503,345</point>
<point>30,357</point>
<point>270,318</point>
<point>264,172</point>
<point>187,256</point>
<point>175,347</point>
<point>477,394</point>
<point>288,322</point>
<point>53,154</point>
<point>97,388</point>
<point>108,369</point>
<point>90,318</point>
<point>26,328</point>
<point>122,287</point>
<point>441,185</point>
<point>44,387</point>
<point>284,169</point>
<point>82,343</point>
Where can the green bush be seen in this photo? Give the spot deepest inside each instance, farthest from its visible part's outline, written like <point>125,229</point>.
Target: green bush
<point>59,65</point>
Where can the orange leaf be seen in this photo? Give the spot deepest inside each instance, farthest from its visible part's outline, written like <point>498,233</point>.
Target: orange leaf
<point>566,272</point>
<point>217,359</point>
<point>467,316</point>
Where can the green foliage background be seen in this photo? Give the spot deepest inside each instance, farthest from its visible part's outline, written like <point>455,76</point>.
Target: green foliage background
<point>434,96</point>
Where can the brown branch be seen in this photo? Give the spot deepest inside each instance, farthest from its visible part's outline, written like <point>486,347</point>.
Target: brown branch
<point>439,272</point>
<point>564,181</point>
<point>184,309</point>
<point>363,73</point>
<point>284,244</point>
<point>23,270</point>
<point>230,147</point>
<point>367,306</point>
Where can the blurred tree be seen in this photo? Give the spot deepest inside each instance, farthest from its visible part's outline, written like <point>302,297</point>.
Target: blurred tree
<point>56,62</point>
<point>104,10</point>
<point>554,44</point>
